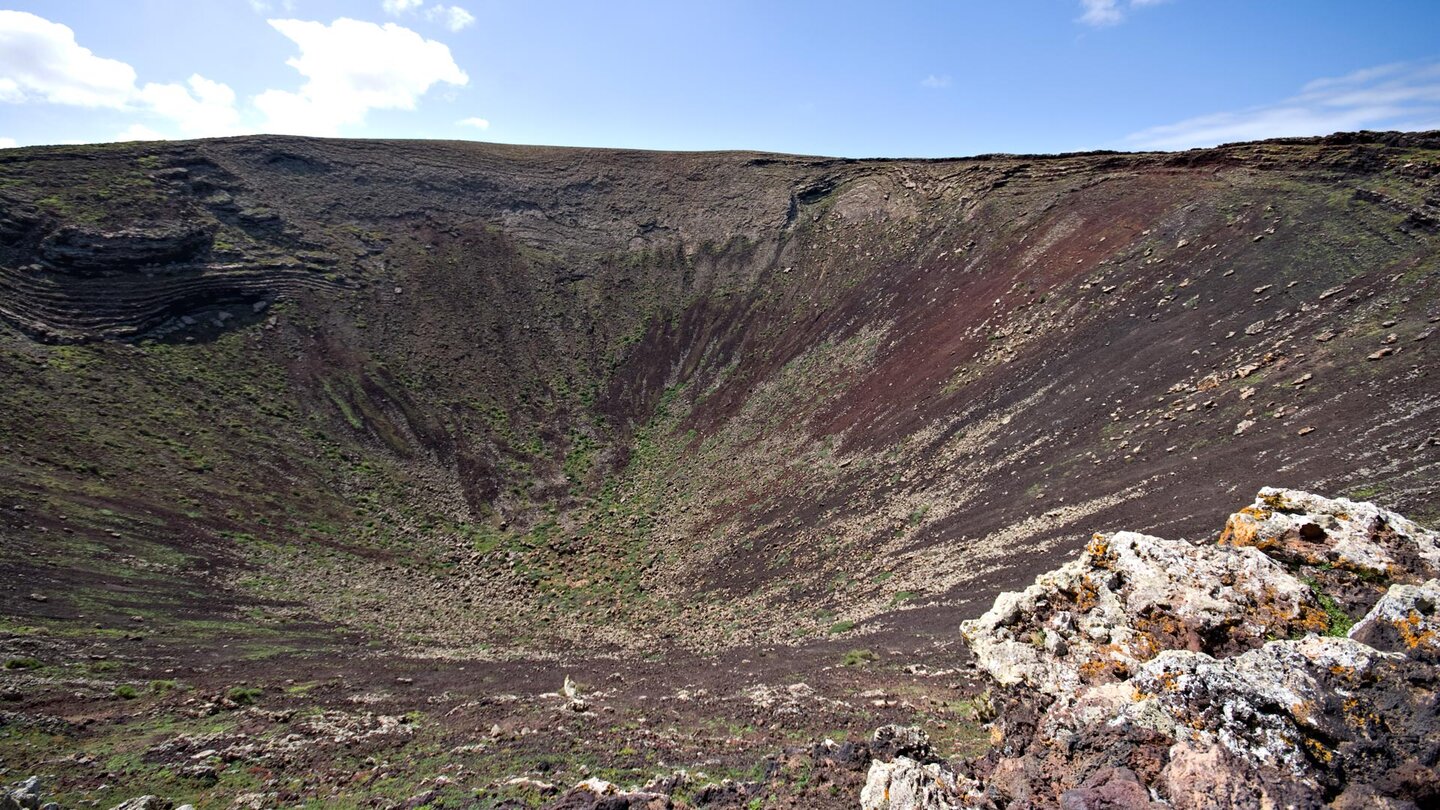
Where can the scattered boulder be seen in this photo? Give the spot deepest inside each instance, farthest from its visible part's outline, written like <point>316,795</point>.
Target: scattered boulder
<point>913,777</point>
<point>597,794</point>
<point>573,701</point>
<point>25,796</point>
<point>905,784</point>
<point>894,741</point>
<point>848,755</point>
<point>145,803</point>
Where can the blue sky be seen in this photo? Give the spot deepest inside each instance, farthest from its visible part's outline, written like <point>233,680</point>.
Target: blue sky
<point>926,79</point>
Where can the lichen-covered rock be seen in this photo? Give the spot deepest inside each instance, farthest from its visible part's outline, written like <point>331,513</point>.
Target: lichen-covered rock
<point>597,794</point>
<point>889,742</point>
<point>1405,620</point>
<point>1210,778</point>
<point>1128,597</point>
<point>1197,675</point>
<point>1299,718</point>
<point>1302,528</point>
<point>905,784</point>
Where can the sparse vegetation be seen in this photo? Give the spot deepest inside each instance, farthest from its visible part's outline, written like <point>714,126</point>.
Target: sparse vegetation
<point>1338,621</point>
<point>423,433</point>
<point>244,695</point>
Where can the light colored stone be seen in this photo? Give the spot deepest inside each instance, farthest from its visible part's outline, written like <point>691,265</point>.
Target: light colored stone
<point>1125,599</point>
<point>1405,620</point>
<point>905,784</point>
<point>1297,526</point>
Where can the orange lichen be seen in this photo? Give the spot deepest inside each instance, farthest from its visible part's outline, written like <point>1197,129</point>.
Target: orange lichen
<point>1243,528</point>
<point>1087,595</point>
<point>1313,619</point>
<point>1318,751</point>
<point>1099,547</point>
<point>1275,501</point>
<point>1110,663</point>
<point>1167,681</point>
<point>1303,711</point>
<point>1413,633</point>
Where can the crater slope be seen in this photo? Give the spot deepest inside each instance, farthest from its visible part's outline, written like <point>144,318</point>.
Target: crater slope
<point>273,406</point>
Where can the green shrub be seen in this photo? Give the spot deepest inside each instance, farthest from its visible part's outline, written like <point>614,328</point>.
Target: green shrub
<point>162,687</point>
<point>856,658</point>
<point>126,692</point>
<point>22,663</point>
<point>244,695</point>
<point>841,627</point>
<point>1339,621</point>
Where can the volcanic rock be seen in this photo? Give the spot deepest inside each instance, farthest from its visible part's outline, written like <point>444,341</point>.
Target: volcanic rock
<point>87,249</point>
<point>1300,528</point>
<point>597,794</point>
<point>904,784</point>
<point>1213,676</point>
<point>1128,597</point>
<point>1406,620</point>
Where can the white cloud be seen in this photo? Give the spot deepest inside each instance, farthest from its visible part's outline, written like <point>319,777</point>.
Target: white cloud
<point>453,17</point>
<point>936,82</point>
<point>478,123</point>
<point>398,7</point>
<point>204,108</point>
<point>40,61</point>
<point>352,67</point>
<point>1103,13</point>
<point>8,143</point>
<point>1400,96</point>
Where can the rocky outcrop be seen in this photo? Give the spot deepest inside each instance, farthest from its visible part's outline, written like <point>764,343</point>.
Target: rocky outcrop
<point>25,796</point>
<point>76,307</point>
<point>1406,620</point>
<point>138,277</point>
<point>87,249</point>
<point>1298,528</point>
<point>1153,672</point>
<point>1127,598</point>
